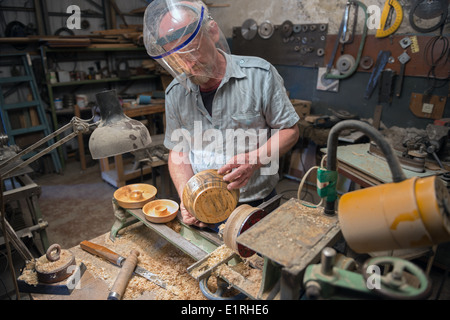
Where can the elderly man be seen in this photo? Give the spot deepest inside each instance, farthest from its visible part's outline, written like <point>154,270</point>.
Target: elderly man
<point>223,111</point>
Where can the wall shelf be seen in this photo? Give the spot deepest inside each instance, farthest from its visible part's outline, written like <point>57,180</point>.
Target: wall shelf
<point>109,56</point>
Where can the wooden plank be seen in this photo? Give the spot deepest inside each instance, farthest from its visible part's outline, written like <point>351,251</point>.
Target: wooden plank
<point>144,110</point>
<point>112,45</point>
<point>436,103</point>
<point>114,31</point>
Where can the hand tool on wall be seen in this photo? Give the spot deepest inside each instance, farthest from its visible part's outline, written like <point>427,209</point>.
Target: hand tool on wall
<point>330,75</point>
<point>381,62</point>
<point>124,276</point>
<point>349,25</point>
<point>390,7</point>
<point>403,59</point>
<point>118,260</point>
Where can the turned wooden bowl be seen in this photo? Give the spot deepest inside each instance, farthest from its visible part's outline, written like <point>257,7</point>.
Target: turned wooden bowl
<point>160,211</point>
<point>207,198</point>
<point>135,196</point>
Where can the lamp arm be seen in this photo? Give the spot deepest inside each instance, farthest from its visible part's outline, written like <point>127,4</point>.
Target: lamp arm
<point>76,124</point>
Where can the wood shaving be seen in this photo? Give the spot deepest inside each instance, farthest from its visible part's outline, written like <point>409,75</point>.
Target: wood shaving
<point>174,225</point>
<point>214,258</point>
<point>29,274</point>
<point>157,256</point>
<point>242,276</point>
<point>43,265</point>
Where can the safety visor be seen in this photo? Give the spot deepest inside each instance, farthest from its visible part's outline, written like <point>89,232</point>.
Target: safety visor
<point>174,32</point>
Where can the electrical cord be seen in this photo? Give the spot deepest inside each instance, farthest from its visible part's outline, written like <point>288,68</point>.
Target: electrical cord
<point>441,22</point>
<point>434,59</point>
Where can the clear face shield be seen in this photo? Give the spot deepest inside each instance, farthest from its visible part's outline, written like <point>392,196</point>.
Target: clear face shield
<point>183,38</point>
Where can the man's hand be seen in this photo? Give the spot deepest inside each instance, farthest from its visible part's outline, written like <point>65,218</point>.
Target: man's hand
<point>188,218</point>
<point>244,164</point>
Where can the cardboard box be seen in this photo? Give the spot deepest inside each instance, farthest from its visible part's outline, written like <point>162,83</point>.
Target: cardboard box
<point>302,107</point>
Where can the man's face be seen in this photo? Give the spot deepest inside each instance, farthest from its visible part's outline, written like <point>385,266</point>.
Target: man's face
<point>197,57</point>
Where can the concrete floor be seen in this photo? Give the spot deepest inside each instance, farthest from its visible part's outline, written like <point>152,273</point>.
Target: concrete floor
<point>77,205</point>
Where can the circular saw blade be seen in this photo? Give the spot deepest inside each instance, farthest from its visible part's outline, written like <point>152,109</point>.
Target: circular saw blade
<point>249,29</point>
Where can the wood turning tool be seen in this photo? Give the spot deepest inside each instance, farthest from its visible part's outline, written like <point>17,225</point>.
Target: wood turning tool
<point>329,74</point>
<point>124,276</point>
<point>389,8</point>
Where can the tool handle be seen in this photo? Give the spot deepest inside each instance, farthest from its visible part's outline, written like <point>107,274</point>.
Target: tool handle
<point>124,276</point>
<point>400,80</point>
<point>102,252</point>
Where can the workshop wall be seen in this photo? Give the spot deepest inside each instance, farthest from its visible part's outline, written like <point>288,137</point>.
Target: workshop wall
<point>301,81</point>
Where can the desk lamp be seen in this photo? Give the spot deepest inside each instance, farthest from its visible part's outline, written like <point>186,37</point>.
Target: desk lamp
<point>114,134</point>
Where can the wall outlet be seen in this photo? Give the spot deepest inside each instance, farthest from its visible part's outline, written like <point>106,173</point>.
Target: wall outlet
<point>427,108</point>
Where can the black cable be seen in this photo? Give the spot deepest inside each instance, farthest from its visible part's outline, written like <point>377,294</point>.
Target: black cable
<point>436,59</point>
<point>441,22</point>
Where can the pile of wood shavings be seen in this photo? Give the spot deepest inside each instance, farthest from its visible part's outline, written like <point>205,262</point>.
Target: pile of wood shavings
<point>214,258</point>
<point>243,277</point>
<point>159,257</point>
<point>45,266</point>
<point>29,274</point>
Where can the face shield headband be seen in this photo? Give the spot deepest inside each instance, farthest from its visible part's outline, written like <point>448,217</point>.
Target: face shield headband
<point>193,27</point>
<point>189,49</point>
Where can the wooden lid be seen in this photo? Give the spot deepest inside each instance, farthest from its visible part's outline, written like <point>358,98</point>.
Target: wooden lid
<point>135,196</point>
<point>160,211</point>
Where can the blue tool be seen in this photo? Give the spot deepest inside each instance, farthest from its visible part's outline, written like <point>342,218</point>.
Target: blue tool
<point>382,59</point>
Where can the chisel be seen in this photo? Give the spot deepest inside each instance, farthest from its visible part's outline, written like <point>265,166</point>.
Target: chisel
<point>118,260</point>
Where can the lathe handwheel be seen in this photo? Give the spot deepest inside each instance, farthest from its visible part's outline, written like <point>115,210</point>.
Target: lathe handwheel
<point>394,285</point>
<point>222,291</point>
<point>241,219</point>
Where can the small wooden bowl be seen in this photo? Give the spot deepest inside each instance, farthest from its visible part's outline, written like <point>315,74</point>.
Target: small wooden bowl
<point>207,198</point>
<point>160,211</point>
<point>135,196</point>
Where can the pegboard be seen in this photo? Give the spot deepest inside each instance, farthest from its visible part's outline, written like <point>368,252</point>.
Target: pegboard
<point>417,66</point>
<point>303,46</point>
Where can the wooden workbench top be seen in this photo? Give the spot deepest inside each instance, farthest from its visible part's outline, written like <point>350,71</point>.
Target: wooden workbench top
<point>156,255</point>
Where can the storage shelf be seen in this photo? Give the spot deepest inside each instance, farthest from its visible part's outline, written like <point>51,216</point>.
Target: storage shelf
<point>83,82</point>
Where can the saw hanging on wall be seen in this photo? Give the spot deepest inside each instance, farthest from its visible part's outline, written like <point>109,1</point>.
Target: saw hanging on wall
<point>387,26</point>
<point>349,66</point>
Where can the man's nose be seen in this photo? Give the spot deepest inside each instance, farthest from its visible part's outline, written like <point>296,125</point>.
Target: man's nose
<point>190,64</point>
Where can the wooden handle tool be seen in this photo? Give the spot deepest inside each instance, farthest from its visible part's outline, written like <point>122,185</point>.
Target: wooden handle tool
<point>118,260</point>
<point>103,252</point>
<point>124,276</point>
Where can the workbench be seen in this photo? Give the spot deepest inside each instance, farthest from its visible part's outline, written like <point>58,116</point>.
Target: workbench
<point>156,255</point>
<point>356,163</point>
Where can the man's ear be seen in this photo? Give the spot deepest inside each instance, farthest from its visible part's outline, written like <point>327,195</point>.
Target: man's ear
<point>214,31</point>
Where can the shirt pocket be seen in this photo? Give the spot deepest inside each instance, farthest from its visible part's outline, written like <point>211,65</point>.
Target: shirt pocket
<point>247,120</point>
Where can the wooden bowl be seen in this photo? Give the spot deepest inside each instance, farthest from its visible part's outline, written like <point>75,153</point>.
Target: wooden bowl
<point>160,211</point>
<point>135,196</point>
<point>207,198</point>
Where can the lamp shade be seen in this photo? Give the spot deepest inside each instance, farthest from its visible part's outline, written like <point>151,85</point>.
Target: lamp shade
<point>116,133</point>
